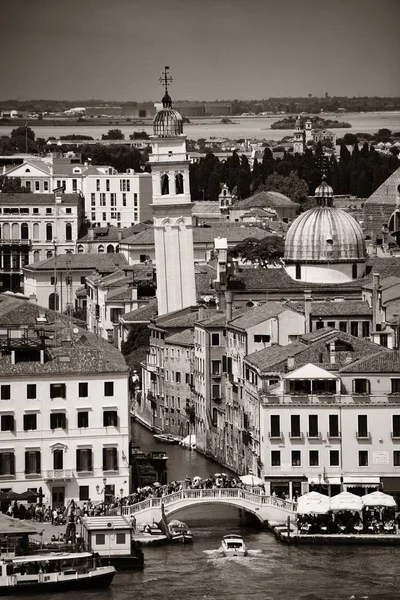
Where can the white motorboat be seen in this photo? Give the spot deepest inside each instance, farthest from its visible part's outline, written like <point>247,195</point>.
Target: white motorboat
<point>53,572</point>
<point>178,531</point>
<point>233,545</point>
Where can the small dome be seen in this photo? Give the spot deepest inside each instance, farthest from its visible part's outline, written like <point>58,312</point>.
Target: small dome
<point>324,192</point>
<point>167,123</point>
<point>324,234</point>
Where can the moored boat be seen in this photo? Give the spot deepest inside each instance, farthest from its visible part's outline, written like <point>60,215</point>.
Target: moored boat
<point>178,531</point>
<point>53,572</point>
<point>233,545</point>
<point>166,438</point>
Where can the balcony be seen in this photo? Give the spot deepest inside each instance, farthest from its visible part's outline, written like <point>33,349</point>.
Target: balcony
<point>216,399</point>
<point>276,436</point>
<point>314,435</point>
<point>296,435</point>
<point>395,435</point>
<point>59,475</point>
<point>33,474</point>
<point>363,435</point>
<point>334,435</point>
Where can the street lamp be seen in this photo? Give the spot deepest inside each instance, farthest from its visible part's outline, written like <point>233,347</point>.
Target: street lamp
<point>103,491</point>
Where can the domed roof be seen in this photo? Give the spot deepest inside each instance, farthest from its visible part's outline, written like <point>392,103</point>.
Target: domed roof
<point>167,122</point>
<point>324,234</point>
<point>323,192</point>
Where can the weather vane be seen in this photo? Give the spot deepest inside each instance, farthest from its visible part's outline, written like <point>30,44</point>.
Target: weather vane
<point>166,79</point>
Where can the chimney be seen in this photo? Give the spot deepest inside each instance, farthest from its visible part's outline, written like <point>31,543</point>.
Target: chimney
<point>33,298</point>
<point>134,295</point>
<point>274,331</point>
<point>119,236</point>
<point>202,313</point>
<point>91,234</point>
<point>228,300</point>
<point>376,317</point>
<point>307,310</point>
<point>332,353</point>
<point>290,363</point>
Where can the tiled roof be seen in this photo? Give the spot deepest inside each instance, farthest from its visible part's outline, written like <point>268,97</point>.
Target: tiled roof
<point>385,283</point>
<point>37,199</point>
<point>183,338</point>
<point>265,200</point>
<point>386,193</point>
<point>337,309</point>
<point>257,314</point>
<point>218,319</point>
<point>268,358</point>
<point>110,234</point>
<point>143,314</point>
<point>381,362</point>
<point>72,350</point>
<point>201,235</point>
<point>101,262</point>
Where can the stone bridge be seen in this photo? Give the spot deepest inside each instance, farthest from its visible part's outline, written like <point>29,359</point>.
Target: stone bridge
<point>265,508</point>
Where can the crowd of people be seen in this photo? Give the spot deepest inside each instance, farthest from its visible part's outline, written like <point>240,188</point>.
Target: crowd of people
<point>369,521</point>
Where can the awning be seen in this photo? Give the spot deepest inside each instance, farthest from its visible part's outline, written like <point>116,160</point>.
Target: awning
<point>391,484</point>
<point>310,371</point>
<point>334,480</point>
<point>371,480</point>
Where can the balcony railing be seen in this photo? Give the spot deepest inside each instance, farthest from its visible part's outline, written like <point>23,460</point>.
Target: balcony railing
<point>269,399</point>
<point>314,435</point>
<point>59,474</point>
<point>33,474</point>
<point>334,435</point>
<point>296,435</point>
<point>276,435</point>
<point>363,435</point>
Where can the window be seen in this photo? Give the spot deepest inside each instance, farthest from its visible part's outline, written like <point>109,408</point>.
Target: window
<point>295,425</point>
<point>314,458</point>
<point>110,418</point>
<point>7,422</point>
<point>83,389</point>
<point>261,339</point>
<point>275,426</point>
<point>5,392</point>
<point>68,232</point>
<point>93,199</point>
<point>102,200</point>
<point>363,458</point>
<point>30,422</point>
<point>32,462</point>
<point>109,388</point>
<point>396,426</point>
<point>216,391</point>
<point>215,339</point>
<point>120,538</point>
<point>31,391</point>
<point>275,458</point>
<point>110,459</point>
<point>334,425</point>
<point>343,326</point>
<point>365,328</point>
<point>177,377</point>
<point>362,426</point>
<point>74,185</point>
<point>216,367</point>
<point>58,460</point>
<point>83,418</point>
<point>84,460</point>
<point>164,184</point>
<point>7,463</point>
<point>35,211</point>
<point>45,186</point>
<point>298,272</point>
<point>83,492</point>
<point>396,458</point>
<point>334,458</point>
<point>354,328</point>
<point>179,183</point>
<point>123,199</point>
<point>313,425</point>
<point>354,271</point>
<point>296,458</point>
<point>100,539</point>
<point>97,185</point>
<point>361,386</point>
<point>58,390</point>
<point>331,324</point>
<point>384,340</point>
<point>107,185</point>
<point>58,421</point>
<point>49,211</point>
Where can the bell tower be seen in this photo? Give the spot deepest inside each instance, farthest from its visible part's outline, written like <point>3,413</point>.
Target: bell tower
<point>172,208</point>
<point>299,137</point>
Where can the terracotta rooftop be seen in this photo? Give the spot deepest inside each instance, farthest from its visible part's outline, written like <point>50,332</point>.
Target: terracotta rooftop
<point>233,233</point>
<point>110,234</point>
<point>183,338</point>
<point>143,314</point>
<point>265,200</point>
<point>37,199</point>
<point>101,262</point>
<point>337,309</point>
<point>380,362</point>
<point>386,193</point>
<point>257,314</point>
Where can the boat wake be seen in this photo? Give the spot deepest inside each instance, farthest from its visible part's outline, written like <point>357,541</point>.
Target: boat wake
<point>218,553</point>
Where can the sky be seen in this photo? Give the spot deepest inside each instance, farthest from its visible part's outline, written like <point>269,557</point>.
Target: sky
<point>216,49</point>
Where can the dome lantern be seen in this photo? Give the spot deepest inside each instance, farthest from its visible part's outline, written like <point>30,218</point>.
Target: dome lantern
<point>167,122</point>
<point>324,193</point>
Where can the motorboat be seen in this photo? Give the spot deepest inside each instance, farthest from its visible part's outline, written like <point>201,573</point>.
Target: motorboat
<point>53,572</point>
<point>166,438</point>
<point>178,531</point>
<point>233,545</point>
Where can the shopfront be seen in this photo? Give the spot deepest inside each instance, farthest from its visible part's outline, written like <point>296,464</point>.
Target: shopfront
<point>361,485</point>
<point>285,487</point>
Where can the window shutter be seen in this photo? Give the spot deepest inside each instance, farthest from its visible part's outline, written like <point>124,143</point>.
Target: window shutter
<point>26,461</point>
<point>12,423</point>
<point>78,460</point>
<point>115,458</point>
<point>104,458</point>
<point>38,465</point>
<point>12,463</point>
<point>368,386</point>
<point>353,384</point>
<point>90,460</point>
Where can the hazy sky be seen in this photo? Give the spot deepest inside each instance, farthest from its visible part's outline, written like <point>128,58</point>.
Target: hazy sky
<point>216,49</point>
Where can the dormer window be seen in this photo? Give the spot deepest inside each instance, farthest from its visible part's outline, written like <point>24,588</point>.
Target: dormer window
<point>77,170</point>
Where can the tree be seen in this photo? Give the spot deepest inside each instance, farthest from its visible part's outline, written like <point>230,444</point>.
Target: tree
<point>268,250</point>
<point>23,131</point>
<point>113,134</point>
<point>134,349</point>
<point>243,184</point>
<point>11,185</point>
<point>291,186</point>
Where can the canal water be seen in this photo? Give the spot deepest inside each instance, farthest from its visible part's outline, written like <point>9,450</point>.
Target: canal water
<point>272,571</point>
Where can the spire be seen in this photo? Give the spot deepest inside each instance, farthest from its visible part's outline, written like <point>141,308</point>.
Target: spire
<point>166,80</point>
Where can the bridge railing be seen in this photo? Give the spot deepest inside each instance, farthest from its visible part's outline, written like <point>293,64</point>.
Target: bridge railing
<point>204,494</point>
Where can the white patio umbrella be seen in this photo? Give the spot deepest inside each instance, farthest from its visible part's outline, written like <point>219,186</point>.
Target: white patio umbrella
<point>313,503</point>
<point>251,480</point>
<point>346,501</point>
<point>379,499</point>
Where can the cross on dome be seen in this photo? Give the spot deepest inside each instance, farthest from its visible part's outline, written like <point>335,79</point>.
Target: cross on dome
<point>166,80</point>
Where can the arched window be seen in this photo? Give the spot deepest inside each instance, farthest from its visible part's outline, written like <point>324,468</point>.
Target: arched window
<point>49,254</point>
<point>80,249</point>
<point>24,231</point>
<point>354,271</point>
<point>35,230</point>
<point>110,249</point>
<point>164,184</point>
<point>179,183</point>
<point>6,231</point>
<point>54,302</point>
<point>15,231</point>
<point>36,256</point>
<point>68,232</point>
<point>298,271</point>
<point>27,170</point>
<point>100,249</point>
<point>49,232</point>
<point>117,249</point>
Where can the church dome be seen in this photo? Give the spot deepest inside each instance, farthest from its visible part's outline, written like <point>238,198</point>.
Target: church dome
<point>324,235</point>
<point>323,192</point>
<point>167,121</point>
